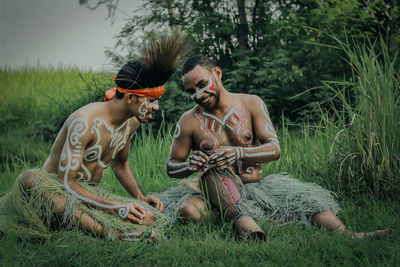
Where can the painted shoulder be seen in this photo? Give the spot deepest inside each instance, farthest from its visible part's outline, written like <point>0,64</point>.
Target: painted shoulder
<point>83,113</point>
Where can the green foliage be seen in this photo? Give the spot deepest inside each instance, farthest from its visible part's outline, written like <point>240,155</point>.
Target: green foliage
<point>268,47</point>
<point>366,148</point>
<point>41,99</point>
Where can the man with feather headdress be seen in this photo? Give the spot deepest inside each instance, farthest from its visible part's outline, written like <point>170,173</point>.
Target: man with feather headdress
<point>63,192</point>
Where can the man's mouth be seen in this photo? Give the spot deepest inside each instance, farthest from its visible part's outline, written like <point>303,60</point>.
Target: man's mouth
<point>205,99</point>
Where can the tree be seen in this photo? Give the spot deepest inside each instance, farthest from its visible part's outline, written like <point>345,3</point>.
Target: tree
<point>265,47</point>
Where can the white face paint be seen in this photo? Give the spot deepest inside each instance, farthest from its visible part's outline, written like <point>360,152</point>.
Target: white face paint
<point>204,89</point>
<point>143,109</point>
<point>145,106</point>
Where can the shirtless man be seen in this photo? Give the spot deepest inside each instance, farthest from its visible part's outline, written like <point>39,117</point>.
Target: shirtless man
<point>99,135</point>
<point>234,130</point>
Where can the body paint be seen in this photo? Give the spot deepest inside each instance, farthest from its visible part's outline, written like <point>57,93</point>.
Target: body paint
<point>250,172</point>
<point>204,143</point>
<point>209,88</point>
<point>77,129</point>
<point>222,122</point>
<point>177,130</point>
<point>144,107</point>
<point>260,154</point>
<point>243,122</point>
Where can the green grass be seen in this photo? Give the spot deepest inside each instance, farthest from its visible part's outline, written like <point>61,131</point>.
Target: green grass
<point>34,103</point>
<point>214,242</point>
<point>367,122</point>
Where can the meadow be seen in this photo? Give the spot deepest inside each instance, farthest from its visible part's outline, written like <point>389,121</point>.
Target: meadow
<point>353,150</point>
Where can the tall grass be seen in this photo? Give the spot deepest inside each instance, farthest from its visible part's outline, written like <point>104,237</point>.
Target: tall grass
<point>42,98</point>
<point>366,149</point>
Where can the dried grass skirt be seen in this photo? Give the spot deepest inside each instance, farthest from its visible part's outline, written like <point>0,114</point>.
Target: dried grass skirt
<point>278,198</point>
<point>30,214</point>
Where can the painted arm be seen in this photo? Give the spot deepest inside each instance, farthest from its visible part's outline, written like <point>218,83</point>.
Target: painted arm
<point>177,166</point>
<point>269,148</point>
<point>125,176</point>
<point>78,136</point>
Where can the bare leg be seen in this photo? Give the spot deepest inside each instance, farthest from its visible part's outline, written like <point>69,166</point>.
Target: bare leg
<point>84,220</point>
<point>194,209</point>
<point>331,222</point>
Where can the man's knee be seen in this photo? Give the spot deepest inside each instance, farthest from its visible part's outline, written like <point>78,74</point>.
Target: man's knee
<point>193,209</point>
<point>28,180</point>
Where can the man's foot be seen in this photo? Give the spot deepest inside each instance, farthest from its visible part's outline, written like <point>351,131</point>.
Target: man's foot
<point>363,235</point>
<point>137,235</point>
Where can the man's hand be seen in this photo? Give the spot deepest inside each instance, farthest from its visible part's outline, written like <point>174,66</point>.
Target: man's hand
<point>136,213</point>
<point>198,160</point>
<point>224,156</point>
<point>155,202</point>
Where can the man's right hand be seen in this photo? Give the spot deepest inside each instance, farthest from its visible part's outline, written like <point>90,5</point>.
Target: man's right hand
<point>136,213</point>
<point>198,160</point>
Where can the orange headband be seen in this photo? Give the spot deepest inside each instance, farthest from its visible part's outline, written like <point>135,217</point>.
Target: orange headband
<point>155,92</point>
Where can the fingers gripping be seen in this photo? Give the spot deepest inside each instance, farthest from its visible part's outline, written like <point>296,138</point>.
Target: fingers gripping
<point>198,160</point>
<point>226,156</point>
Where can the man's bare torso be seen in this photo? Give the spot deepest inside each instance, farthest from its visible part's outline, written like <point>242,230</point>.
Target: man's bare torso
<point>233,128</point>
<point>88,134</point>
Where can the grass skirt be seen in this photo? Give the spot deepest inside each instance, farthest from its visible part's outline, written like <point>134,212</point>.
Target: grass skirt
<point>278,198</point>
<point>30,214</point>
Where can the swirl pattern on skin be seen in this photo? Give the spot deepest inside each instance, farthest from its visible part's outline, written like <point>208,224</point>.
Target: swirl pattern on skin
<point>76,130</point>
<point>249,173</point>
<point>143,109</point>
<point>204,143</point>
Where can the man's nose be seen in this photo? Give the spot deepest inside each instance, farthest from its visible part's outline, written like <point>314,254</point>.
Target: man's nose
<point>155,106</point>
<point>200,94</point>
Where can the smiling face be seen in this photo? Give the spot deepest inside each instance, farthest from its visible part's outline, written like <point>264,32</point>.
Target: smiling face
<point>202,87</point>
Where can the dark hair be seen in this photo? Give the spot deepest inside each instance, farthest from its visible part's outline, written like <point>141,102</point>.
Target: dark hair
<point>200,60</point>
<point>159,58</point>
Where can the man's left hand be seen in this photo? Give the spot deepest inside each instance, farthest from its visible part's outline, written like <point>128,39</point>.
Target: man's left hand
<point>155,202</point>
<point>225,156</point>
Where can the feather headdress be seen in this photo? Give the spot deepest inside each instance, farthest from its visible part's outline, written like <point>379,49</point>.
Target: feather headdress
<point>159,58</point>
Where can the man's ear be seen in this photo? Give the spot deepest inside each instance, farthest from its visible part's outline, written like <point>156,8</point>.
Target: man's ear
<point>129,98</point>
<point>218,72</point>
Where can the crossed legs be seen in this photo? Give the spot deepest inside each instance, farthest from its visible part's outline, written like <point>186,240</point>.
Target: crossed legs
<point>84,220</point>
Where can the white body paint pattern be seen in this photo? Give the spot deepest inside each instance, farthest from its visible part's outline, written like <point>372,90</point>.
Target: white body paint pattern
<point>205,89</point>
<point>144,107</point>
<point>177,130</point>
<point>134,236</point>
<point>269,129</point>
<point>118,141</point>
<point>204,129</point>
<point>243,121</point>
<point>182,167</point>
<point>230,120</point>
<point>250,172</point>
<point>77,129</point>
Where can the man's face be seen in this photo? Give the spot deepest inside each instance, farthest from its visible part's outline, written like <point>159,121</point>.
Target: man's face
<point>201,85</point>
<point>147,106</point>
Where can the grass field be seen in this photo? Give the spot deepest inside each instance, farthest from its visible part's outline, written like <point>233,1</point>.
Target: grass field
<point>35,102</point>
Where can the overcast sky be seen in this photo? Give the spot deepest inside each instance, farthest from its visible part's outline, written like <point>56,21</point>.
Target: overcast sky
<point>54,32</point>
